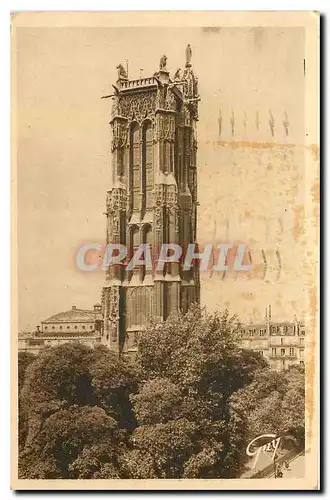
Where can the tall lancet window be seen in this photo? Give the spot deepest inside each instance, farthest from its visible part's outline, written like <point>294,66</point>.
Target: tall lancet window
<point>167,157</point>
<point>147,173</point>
<point>121,168</point>
<point>135,240</point>
<point>148,240</point>
<point>135,166</point>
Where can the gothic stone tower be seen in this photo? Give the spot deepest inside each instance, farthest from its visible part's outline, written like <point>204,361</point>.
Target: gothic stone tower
<point>153,199</point>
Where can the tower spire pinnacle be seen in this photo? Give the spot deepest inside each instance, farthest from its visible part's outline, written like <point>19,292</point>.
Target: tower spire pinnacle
<point>188,56</point>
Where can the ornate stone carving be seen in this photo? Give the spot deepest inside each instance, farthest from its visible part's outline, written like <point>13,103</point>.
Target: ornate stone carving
<point>117,199</point>
<point>172,198</point>
<point>165,129</point>
<point>158,217</point>
<point>114,312</point>
<point>115,107</point>
<point>116,203</point>
<point>115,229</point>
<point>193,224</point>
<point>172,203</point>
<point>160,194</point>
<point>166,99</point>
<point>170,101</point>
<point>103,301</point>
<point>137,106</point>
<point>190,86</point>
<point>119,134</point>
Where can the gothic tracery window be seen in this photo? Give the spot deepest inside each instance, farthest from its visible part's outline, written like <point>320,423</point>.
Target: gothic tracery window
<point>147,174</point>
<point>135,240</point>
<point>148,239</point>
<point>134,244</point>
<point>121,168</point>
<point>167,159</point>
<point>135,165</point>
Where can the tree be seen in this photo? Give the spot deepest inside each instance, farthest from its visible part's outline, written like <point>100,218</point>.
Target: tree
<point>273,403</point>
<point>190,366</point>
<point>76,408</point>
<point>24,359</point>
<point>76,441</point>
<point>186,408</point>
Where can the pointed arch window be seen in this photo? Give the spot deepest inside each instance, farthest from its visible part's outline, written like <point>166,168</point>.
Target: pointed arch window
<point>167,157</point>
<point>134,244</point>
<point>135,165</point>
<point>147,173</point>
<point>148,240</point>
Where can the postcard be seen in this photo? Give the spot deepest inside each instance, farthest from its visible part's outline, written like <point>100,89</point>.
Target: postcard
<point>165,250</point>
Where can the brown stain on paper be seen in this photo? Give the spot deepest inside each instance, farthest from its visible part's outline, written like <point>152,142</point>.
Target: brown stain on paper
<point>311,364</point>
<point>313,301</point>
<point>253,144</point>
<point>315,192</point>
<point>315,149</point>
<point>298,222</point>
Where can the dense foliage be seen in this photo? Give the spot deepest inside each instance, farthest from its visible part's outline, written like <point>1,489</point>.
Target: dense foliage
<point>75,413</point>
<point>274,402</point>
<point>190,367</point>
<point>184,408</point>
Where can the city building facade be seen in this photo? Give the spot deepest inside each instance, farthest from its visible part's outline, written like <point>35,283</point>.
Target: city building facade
<point>153,199</point>
<point>281,343</point>
<point>76,325</point>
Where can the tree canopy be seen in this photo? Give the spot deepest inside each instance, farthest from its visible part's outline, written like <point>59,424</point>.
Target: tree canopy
<point>189,368</point>
<point>74,401</point>
<point>274,403</point>
<point>186,407</point>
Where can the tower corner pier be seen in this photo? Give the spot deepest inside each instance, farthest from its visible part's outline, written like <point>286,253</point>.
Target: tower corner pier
<point>152,200</point>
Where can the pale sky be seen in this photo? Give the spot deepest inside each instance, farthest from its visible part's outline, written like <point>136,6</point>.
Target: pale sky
<point>64,156</point>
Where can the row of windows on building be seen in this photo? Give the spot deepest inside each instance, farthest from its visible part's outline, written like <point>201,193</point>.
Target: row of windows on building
<point>283,352</point>
<point>285,363</point>
<point>274,330</point>
<point>262,332</point>
<point>292,354</point>
<point>283,341</point>
<point>68,327</point>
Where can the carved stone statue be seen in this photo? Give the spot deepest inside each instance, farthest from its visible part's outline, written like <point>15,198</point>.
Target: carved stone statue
<point>121,71</point>
<point>188,54</point>
<point>162,64</point>
<point>177,75</point>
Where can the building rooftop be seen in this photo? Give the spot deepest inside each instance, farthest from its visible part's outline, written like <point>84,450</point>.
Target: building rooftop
<point>75,315</point>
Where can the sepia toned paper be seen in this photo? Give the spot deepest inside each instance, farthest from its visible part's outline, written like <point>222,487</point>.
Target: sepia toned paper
<point>248,95</point>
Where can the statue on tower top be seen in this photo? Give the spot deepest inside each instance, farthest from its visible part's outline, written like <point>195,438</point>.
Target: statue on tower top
<point>162,63</point>
<point>188,55</point>
<point>177,76</point>
<point>122,74</point>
